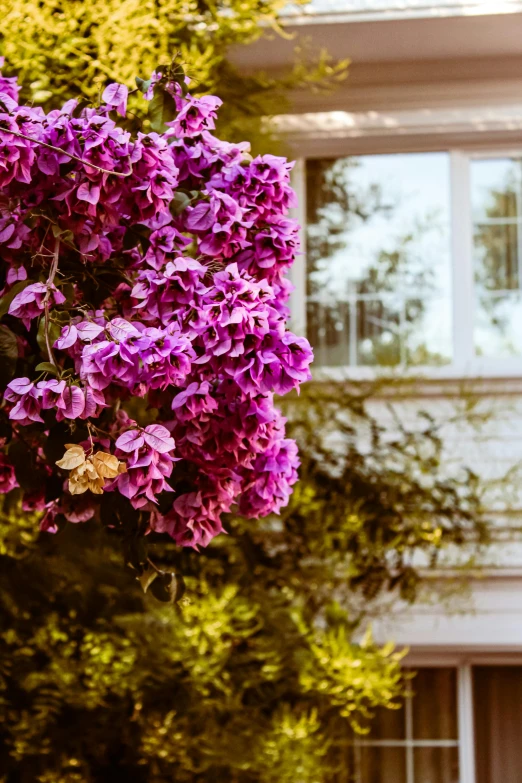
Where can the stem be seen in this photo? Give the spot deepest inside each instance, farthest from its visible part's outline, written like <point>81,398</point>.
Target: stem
<point>90,435</point>
<point>69,154</point>
<point>47,298</point>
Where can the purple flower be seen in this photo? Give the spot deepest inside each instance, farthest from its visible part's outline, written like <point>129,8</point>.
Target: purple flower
<point>197,114</point>
<point>115,95</point>
<point>29,303</point>
<point>191,308</point>
<point>27,399</point>
<point>7,476</point>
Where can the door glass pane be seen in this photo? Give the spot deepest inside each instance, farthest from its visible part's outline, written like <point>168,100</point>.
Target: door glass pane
<point>436,765</point>
<point>377,765</point>
<point>388,725</point>
<point>378,241</point>
<point>434,705</point>
<point>497,701</point>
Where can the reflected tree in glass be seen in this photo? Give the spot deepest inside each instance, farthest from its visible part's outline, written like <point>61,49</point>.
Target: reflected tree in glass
<point>376,292</point>
<point>497,206</point>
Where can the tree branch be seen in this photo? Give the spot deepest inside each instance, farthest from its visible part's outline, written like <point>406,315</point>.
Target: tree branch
<point>69,154</point>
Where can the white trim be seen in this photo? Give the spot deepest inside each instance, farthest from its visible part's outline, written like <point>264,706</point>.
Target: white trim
<point>349,12</point>
<point>434,122</point>
<point>407,743</point>
<point>465,722</point>
<point>410,759</point>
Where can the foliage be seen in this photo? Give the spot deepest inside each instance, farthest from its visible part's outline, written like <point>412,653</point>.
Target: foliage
<point>64,50</point>
<point>144,268</point>
<point>255,677</point>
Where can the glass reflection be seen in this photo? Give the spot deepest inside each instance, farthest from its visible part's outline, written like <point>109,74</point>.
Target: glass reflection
<point>436,765</point>
<point>496,191</point>
<point>377,765</point>
<point>498,325</point>
<point>496,186</point>
<point>434,705</point>
<point>378,243</point>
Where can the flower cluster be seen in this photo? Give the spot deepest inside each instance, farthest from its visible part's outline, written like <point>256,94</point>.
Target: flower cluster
<point>144,280</point>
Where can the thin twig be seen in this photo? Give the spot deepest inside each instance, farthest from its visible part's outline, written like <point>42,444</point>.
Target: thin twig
<point>69,154</point>
<point>50,282</point>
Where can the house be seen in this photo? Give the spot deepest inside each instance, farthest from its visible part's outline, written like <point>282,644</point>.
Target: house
<point>410,185</point>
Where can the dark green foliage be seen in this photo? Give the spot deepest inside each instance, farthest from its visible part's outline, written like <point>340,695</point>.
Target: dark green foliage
<point>254,676</point>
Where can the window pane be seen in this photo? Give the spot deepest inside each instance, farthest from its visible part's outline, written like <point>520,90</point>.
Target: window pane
<point>387,725</point>
<point>498,325</point>
<point>497,257</point>
<point>329,332</point>
<point>436,765</point>
<point>434,705</point>
<point>495,188</point>
<point>377,765</point>
<point>497,697</point>
<point>431,344</point>
<point>378,333</point>
<point>378,240</point>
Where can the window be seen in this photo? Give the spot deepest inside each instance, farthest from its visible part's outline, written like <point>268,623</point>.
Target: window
<point>498,723</point>
<point>414,260</point>
<point>496,188</point>
<point>463,724</point>
<point>417,743</point>
<point>378,254</point>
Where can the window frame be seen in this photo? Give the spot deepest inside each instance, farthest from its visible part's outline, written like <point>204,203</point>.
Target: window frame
<point>465,739</point>
<point>464,664</point>
<point>465,363</point>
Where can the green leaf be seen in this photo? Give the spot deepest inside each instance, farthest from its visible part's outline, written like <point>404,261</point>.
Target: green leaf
<point>147,578</point>
<point>179,203</point>
<point>143,84</point>
<point>47,367</point>
<point>6,300</point>
<point>81,105</point>
<point>55,331</point>
<point>67,290</point>
<point>8,355</point>
<point>162,109</point>
<point>65,235</point>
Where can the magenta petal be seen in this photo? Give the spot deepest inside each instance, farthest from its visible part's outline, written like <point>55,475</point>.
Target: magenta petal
<point>120,329</point>
<point>74,402</point>
<point>132,440</point>
<point>18,386</point>
<point>89,192</point>
<point>68,338</point>
<point>88,330</point>
<point>158,438</point>
<point>116,95</point>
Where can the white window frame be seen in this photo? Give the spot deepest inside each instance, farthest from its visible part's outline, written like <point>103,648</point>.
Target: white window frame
<point>465,363</point>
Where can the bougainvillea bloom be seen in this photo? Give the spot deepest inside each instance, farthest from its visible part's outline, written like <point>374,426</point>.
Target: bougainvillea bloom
<point>144,272</point>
